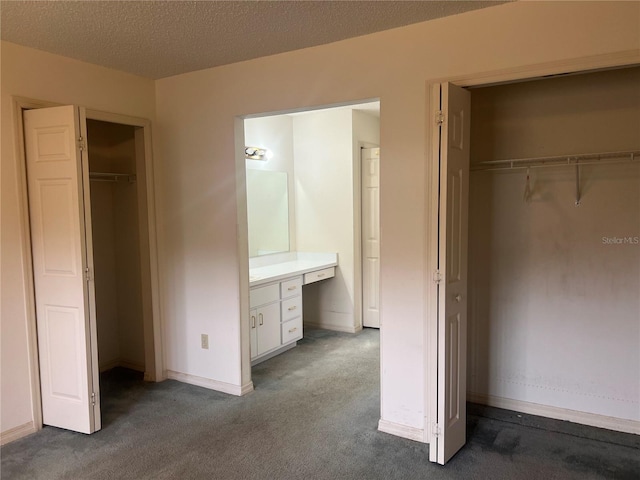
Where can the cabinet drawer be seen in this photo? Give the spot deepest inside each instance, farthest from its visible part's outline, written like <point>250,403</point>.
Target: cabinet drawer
<point>292,330</point>
<point>291,308</point>
<point>263,295</point>
<point>319,275</point>
<point>291,288</point>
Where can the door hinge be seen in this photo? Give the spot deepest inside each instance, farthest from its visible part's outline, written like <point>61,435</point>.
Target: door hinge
<point>439,118</point>
<point>437,276</point>
<point>93,398</point>
<point>436,431</point>
<point>87,274</point>
<point>82,144</point>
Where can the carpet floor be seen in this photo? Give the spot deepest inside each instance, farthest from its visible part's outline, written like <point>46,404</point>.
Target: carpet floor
<point>313,415</point>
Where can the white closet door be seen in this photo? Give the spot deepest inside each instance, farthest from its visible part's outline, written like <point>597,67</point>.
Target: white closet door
<point>65,315</point>
<point>455,104</point>
<point>371,237</point>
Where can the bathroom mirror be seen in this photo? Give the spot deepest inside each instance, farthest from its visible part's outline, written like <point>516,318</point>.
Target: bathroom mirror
<point>267,212</point>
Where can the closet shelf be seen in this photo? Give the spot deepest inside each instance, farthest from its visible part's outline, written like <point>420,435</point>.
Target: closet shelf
<point>111,177</point>
<point>630,156</point>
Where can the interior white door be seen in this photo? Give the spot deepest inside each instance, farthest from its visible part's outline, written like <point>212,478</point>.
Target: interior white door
<point>57,176</point>
<point>370,201</point>
<point>455,105</point>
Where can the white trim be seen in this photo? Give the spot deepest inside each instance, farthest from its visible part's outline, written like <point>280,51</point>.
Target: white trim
<point>333,326</point>
<point>156,371</point>
<point>539,70</point>
<point>223,387</point>
<point>246,388</point>
<point>404,431</point>
<point>138,367</point>
<point>558,413</point>
<point>17,432</point>
<point>21,103</point>
<point>257,360</point>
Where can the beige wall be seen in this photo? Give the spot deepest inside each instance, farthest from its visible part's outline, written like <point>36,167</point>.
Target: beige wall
<point>198,111</point>
<point>38,75</point>
<point>554,311</point>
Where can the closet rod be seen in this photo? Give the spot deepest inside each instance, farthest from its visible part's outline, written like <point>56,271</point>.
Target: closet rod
<point>560,161</point>
<point>111,177</point>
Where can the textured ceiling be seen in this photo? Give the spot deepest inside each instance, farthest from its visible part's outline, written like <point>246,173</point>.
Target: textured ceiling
<point>159,38</point>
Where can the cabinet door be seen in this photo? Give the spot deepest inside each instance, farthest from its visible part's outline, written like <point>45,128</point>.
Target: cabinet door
<point>268,326</point>
<point>253,332</point>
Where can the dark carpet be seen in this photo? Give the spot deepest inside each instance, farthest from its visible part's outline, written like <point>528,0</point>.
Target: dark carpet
<point>313,415</point>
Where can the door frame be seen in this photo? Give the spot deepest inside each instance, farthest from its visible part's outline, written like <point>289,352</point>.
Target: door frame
<point>477,79</point>
<point>154,340</point>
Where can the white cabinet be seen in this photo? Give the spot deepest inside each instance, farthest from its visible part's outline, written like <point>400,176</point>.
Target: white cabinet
<point>318,275</point>
<point>265,329</point>
<point>275,318</point>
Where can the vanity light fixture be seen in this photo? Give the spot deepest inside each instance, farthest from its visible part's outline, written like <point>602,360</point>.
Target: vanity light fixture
<point>256,153</point>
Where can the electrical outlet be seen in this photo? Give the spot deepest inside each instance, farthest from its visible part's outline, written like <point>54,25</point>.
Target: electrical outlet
<point>204,341</point>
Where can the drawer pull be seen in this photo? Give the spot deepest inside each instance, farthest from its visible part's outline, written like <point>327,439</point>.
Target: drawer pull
<point>293,307</point>
<point>253,321</point>
<point>261,317</point>
<point>292,288</point>
<point>320,275</point>
<point>291,330</point>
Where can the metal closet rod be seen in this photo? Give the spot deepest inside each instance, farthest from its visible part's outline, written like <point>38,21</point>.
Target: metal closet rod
<point>111,177</point>
<point>560,161</point>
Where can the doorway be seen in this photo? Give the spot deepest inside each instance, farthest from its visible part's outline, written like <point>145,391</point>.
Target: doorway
<point>92,231</point>
<point>318,154</point>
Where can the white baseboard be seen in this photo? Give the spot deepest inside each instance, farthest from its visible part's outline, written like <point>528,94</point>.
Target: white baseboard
<point>246,388</point>
<point>223,387</point>
<point>334,327</point>
<point>17,432</point>
<point>269,355</point>
<point>404,431</point>
<point>121,363</point>
<point>585,418</point>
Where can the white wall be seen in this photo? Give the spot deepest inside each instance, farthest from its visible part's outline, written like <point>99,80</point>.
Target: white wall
<point>31,73</point>
<point>322,146</point>
<point>197,141</point>
<point>554,315</point>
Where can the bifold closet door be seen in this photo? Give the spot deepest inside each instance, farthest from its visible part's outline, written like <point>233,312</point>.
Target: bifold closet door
<point>454,124</point>
<point>62,267</point>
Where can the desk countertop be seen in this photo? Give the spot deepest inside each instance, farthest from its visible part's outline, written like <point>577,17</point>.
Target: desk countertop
<point>288,265</point>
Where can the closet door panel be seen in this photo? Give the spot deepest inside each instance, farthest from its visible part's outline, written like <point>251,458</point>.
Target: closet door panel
<point>56,211</point>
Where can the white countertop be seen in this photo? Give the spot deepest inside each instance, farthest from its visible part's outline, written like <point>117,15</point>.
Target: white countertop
<point>271,268</point>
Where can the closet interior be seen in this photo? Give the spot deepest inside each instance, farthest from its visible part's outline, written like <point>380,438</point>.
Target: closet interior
<point>554,254</point>
<point>115,221</point>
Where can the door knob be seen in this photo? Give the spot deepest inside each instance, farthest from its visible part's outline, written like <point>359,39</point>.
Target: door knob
<point>458,298</point>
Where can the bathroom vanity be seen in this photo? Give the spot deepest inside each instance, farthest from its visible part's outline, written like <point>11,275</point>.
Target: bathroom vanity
<point>275,297</point>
